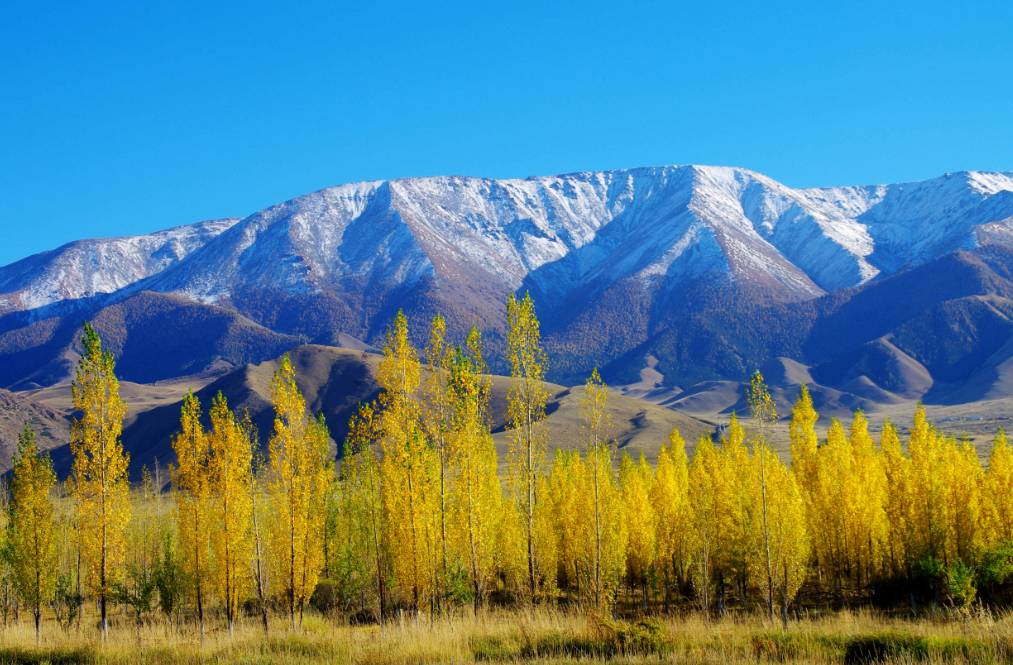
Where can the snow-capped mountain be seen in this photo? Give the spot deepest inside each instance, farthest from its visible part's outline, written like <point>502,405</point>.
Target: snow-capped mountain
<point>620,261</point>
<point>88,267</point>
<point>558,233</point>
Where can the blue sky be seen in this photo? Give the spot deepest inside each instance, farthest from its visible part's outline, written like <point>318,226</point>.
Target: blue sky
<point>119,118</point>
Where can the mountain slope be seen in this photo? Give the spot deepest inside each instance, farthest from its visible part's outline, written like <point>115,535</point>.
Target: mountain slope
<point>51,426</point>
<point>89,267</point>
<point>154,336</point>
<point>335,381</point>
<point>711,270</point>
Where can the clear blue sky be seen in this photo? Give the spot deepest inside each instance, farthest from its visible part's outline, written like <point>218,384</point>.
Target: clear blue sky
<point>120,118</point>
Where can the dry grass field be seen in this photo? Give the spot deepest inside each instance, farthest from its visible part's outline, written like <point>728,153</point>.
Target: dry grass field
<point>539,636</point>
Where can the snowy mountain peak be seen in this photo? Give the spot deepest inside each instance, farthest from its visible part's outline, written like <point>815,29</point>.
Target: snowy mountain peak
<point>990,183</point>
<point>86,268</point>
<point>565,237</point>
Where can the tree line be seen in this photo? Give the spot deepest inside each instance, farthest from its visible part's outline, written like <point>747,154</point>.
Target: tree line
<point>421,515</point>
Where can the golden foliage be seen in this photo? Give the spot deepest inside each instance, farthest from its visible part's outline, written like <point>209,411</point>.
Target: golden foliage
<point>32,527</point>
<point>998,492</point>
<point>190,479</point>
<point>300,473</point>
<point>673,514</point>
<point>230,503</point>
<point>526,412</point>
<point>101,487</point>
<point>410,471</point>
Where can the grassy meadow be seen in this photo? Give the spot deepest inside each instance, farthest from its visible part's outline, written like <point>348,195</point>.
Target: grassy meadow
<point>535,635</point>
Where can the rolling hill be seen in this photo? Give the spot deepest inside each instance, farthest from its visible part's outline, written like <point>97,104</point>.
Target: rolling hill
<point>334,381</point>
<point>693,276</point>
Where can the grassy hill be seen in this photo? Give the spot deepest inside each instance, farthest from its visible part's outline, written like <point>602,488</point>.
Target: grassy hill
<point>335,381</point>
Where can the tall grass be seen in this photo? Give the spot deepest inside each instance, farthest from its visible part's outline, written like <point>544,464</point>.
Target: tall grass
<point>537,635</point>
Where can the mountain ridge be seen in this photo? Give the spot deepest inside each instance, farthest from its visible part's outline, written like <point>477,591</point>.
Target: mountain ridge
<point>708,269</point>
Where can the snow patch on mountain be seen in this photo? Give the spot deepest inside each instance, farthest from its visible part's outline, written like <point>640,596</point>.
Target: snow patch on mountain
<point>88,267</point>
<point>558,235</point>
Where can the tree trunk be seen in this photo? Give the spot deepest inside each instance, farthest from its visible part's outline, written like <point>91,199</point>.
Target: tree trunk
<point>38,592</point>
<point>262,601</point>
<point>531,502</point>
<point>443,520</point>
<point>766,538</point>
<point>291,574</point>
<point>784,598</point>
<point>77,584</point>
<point>597,535</point>
<point>200,610</point>
<point>103,622</point>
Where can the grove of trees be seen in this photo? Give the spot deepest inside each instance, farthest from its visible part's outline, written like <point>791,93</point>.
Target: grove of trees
<point>421,516</point>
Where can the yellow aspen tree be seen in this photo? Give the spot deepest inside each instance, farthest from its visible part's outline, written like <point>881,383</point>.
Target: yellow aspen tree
<point>300,472</point>
<point>923,451</point>
<point>410,471</point>
<point>190,479</point>
<point>509,552</point>
<point>77,563</point>
<point>545,543</point>
<point>805,455</point>
<point>8,583</point>
<point>709,521</point>
<point>998,515</point>
<point>362,502</point>
<point>597,426</point>
<point>946,481</point>
<point>804,442</point>
<point>966,480</point>
<point>436,419</point>
<point>870,526</point>
<point>614,520</point>
<point>477,495</point>
<point>931,507</point>
<point>101,487</point>
<point>231,506</point>
<point>899,499</point>
<point>138,587</point>
<point>764,414</point>
<point>834,504</point>
<point>526,412</point>
<point>741,541</point>
<point>32,527</point>
<point>147,512</point>
<point>259,511</point>
<point>67,549</point>
<point>346,557</point>
<point>635,480</point>
<point>673,514</point>
<point>788,535</point>
<point>568,498</point>
<point>568,493</point>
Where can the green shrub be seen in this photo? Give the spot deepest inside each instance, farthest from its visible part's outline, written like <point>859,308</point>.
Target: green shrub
<point>642,637</point>
<point>792,647</point>
<point>493,648</point>
<point>15,656</point>
<point>326,596</point>
<point>868,649</point>
<point>960,588</point>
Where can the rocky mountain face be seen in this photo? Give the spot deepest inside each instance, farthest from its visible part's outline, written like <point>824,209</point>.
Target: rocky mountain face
<point>710,271</point>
